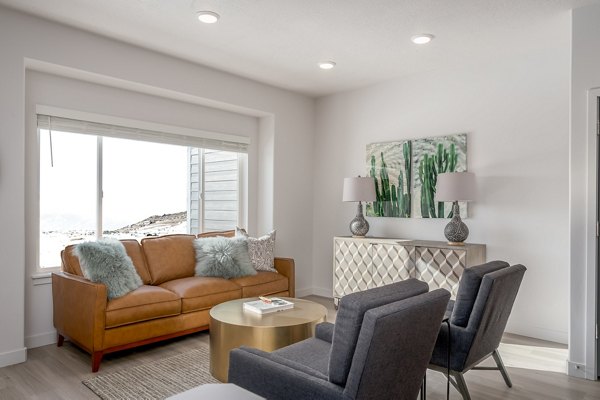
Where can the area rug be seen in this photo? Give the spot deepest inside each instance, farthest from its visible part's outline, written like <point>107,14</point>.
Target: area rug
<point>155,380</point>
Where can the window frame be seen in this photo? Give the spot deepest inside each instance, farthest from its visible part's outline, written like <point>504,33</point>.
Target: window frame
<point>42,273</point>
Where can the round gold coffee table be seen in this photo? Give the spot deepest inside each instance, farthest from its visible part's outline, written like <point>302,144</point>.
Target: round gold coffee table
<point>232,327</point>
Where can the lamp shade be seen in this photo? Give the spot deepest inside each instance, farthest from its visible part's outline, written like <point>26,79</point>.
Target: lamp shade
<point>359,189</point>
<point>455,186</point>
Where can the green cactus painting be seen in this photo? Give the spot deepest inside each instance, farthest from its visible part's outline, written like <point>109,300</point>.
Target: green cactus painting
<point>430,157</point>
<point>390,164</point>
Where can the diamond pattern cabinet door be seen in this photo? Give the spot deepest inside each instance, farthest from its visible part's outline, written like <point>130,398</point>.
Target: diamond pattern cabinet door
<point>440,268</point>
<point>352,266</point>
<point>392,263</point>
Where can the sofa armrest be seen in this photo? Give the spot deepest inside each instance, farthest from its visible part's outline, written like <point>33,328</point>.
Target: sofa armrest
<point>79,307</point>
<point>287,268</point>
<point>261,373</point>
<point>324,331</point>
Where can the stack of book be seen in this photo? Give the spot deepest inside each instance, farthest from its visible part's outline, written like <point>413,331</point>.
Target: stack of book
<point>267,305</point>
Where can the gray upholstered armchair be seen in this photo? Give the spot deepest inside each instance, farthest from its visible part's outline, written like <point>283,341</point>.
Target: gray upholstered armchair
<point>378,348</point>
<point>477,320</point>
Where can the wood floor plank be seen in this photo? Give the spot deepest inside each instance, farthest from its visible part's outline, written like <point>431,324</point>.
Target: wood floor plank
<point>536,368</point>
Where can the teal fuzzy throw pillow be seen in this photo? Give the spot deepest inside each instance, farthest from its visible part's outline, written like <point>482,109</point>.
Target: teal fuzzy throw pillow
<point>107,262</point>
<point>223,257</point>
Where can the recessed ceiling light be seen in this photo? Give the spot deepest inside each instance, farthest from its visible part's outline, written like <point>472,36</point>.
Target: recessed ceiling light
<point>208,17</point>
<point>326,65</point>
<point>422,38</point>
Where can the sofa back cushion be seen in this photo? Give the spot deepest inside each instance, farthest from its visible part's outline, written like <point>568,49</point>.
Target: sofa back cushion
<point>70,262</point>
<point>230,233</point>
<point>169,257</point>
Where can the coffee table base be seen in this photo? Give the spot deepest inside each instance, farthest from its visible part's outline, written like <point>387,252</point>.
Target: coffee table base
<point>224,337</point>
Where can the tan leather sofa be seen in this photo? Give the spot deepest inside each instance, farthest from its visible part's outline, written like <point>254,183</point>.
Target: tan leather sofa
<point>172,302</point>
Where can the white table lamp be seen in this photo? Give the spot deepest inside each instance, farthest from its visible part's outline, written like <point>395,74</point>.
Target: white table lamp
<point>455,187</point>
<point>359,189</point>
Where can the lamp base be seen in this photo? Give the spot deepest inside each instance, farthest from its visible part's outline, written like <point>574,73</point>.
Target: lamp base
<point>456,231</point>
<point>359,225</point>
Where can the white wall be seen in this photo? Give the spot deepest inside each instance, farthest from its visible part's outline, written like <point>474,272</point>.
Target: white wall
<point>585,75</point>
<point>516,114</point>
<point>285,142</point>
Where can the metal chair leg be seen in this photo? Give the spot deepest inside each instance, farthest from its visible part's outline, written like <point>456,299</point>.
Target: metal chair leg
<point>462,386</point>
<point>502,368</point>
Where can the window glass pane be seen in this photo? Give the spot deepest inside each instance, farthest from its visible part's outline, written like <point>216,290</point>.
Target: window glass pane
<point>220,190</point>
<point>67,193</point>
<point>145,188</point>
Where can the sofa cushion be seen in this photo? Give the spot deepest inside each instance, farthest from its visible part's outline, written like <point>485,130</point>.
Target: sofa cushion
<point>106,261</point>
<point>132,247</point>
<point>223,257</point>
<point>143,304</point>
<point>169,257</point>
<point>468,290</point>
<point>263,283</point>
<point>200,292</point>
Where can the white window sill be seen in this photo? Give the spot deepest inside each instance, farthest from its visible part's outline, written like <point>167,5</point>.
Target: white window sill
<point>42,278</point>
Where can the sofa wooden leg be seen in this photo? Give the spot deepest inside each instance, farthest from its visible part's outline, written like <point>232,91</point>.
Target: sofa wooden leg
<point>96,360</point>
<point>60,340</point>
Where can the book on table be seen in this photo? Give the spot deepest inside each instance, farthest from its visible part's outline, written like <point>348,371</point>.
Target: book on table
<point>270,305</point>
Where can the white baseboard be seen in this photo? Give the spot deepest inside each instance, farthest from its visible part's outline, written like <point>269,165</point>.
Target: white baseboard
<point>323,292</point>
<point>41,339</point>
<point>303,292</point>
<point>525,329</point>
<point>13,357</point>
<point>576,370</point>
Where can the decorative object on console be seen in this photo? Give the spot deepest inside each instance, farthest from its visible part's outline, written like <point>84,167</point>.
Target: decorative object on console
<point>359,189</point>
<point>223,257</point>
<point>261,250</point>
<point>454,187</point>
<point>106,261</point>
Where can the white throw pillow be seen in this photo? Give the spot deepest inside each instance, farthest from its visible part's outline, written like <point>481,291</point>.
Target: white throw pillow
<point>261,250</point>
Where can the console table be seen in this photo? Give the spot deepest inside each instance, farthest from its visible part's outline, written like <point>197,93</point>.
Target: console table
<point>364,263</point>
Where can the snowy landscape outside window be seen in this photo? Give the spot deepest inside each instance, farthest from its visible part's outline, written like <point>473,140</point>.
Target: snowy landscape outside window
<point>93,187</point>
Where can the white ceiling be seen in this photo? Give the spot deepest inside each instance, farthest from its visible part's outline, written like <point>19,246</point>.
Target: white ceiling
<point>280,42</point>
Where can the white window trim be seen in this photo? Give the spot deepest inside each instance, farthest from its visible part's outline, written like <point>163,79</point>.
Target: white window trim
<point>43,275</point>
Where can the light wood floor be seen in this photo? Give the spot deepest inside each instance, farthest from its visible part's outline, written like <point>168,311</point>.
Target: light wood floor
<point>536,368</point>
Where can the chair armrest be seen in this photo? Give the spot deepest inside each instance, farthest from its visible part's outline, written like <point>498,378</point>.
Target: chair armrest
<point>287,268</point>
<point>461,339</point>
<point>261,373</point>
<point>79,309</point>
<point>324,331</point>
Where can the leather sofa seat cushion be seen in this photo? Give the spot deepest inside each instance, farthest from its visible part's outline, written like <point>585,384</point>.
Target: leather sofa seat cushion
<point>263,283</point>
<point>71,262</point>
<point>202,292</point>
<point>143,304</point>
<point>169,257</point>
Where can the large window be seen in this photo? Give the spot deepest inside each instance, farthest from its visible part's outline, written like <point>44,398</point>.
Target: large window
<point>94,186</point>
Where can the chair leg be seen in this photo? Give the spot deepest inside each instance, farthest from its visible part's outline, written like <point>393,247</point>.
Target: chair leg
<point>96,360</point>
<point>502,368</point>
<point>462,386</point>
<point>60,340</point>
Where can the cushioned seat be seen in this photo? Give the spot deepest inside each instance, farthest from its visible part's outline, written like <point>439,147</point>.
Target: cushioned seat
<point>263,283</point>
<point>143,304</point>
<point>202,292</point>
